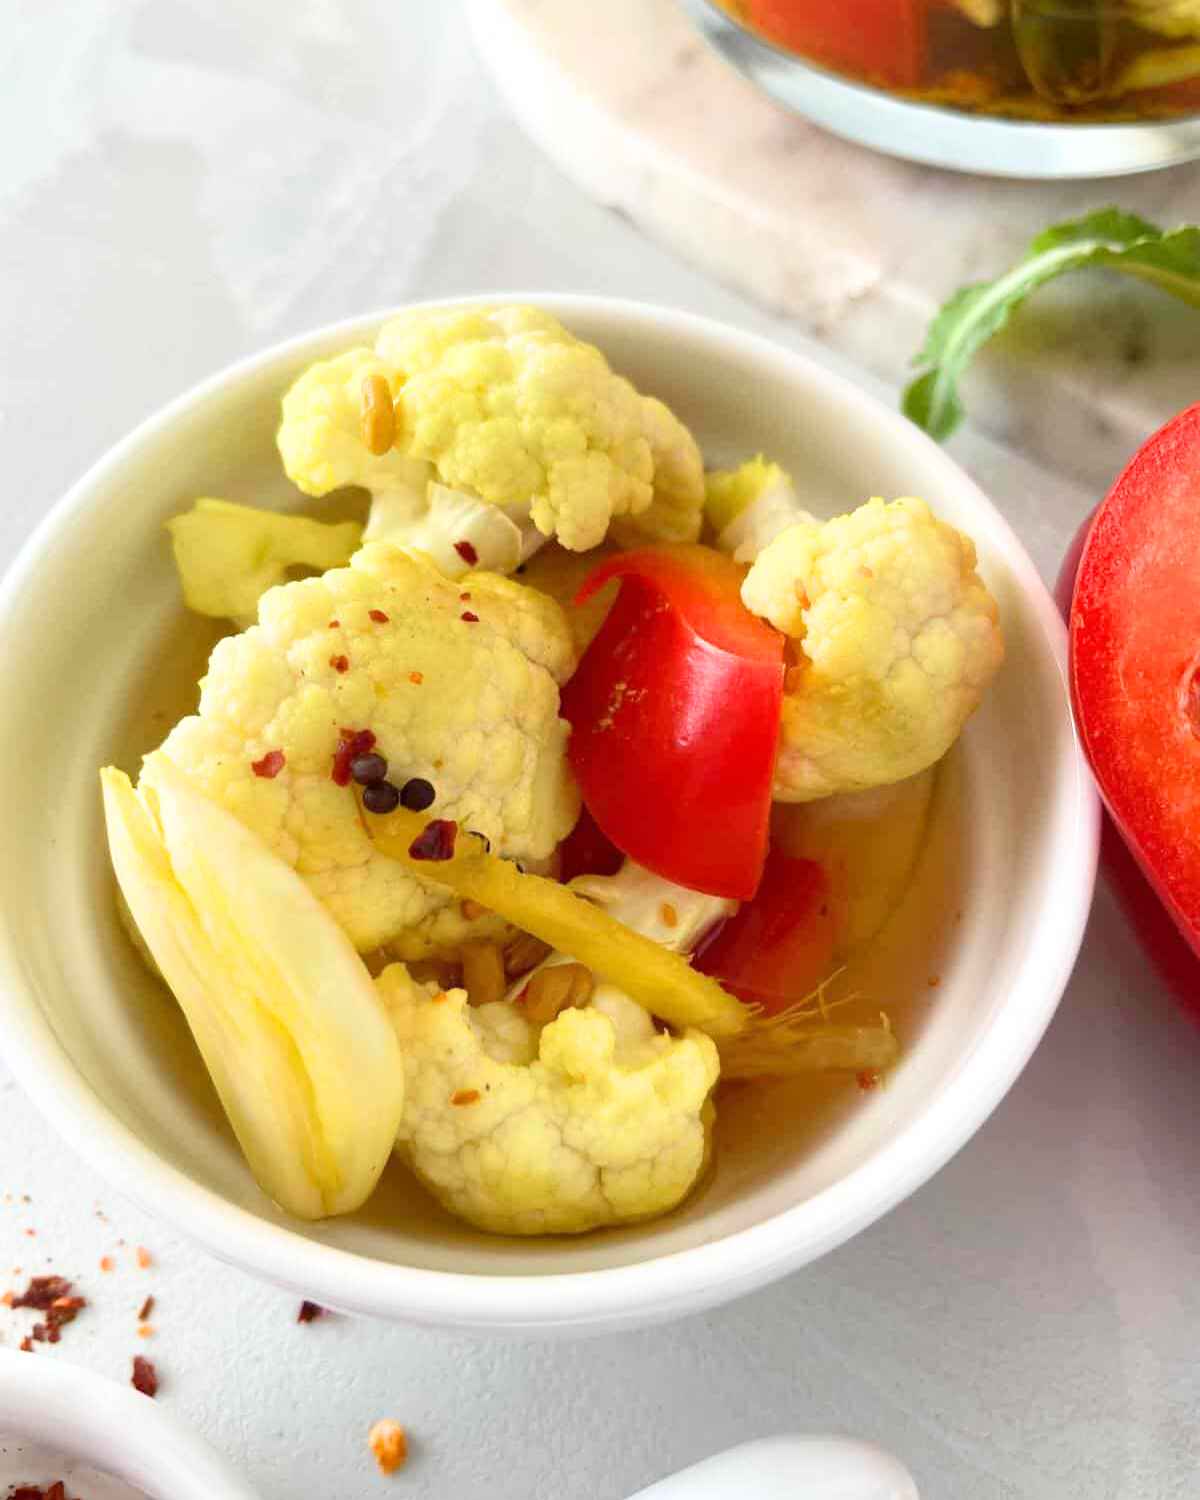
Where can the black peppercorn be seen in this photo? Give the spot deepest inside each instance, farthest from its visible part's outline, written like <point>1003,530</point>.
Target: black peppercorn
<point>417,794</point>
<point>381,797</point>
<point>368,768</point>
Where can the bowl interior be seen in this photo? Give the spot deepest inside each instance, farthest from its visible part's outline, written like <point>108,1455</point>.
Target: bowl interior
<point>101,657</point>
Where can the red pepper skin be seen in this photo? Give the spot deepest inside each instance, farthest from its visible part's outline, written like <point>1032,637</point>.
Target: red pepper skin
<point>1135,642</point>
<point>779,947</point>
<point>675,711</point>
<point>880,40</point>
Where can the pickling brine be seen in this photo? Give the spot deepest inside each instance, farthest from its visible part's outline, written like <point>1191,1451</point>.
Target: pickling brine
<point>1062,60</point>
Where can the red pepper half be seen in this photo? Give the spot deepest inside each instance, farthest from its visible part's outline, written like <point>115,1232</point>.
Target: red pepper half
<point>1176,963</point>
<point>674,713</point>
<point>1135,661</point>
<point>779,947</point>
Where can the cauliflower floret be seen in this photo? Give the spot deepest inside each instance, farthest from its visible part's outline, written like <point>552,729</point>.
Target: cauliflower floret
<point>896,638</point>
<point>459,687</point>
<point>504,405</point>
<point>320,437</point>
<point>597,1120</point>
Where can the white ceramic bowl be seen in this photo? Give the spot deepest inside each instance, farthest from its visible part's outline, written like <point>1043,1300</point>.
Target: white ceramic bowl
<point>98,655</point>
<point>60,1422</point>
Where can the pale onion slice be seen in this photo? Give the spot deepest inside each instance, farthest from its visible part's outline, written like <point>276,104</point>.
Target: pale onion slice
<point>286,1017</point>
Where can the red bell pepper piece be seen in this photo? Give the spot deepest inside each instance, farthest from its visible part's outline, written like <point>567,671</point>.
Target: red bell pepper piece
<point>883,41</point>
<point>1135,664</point>
<point>674,713</point>
<point>779,947</point>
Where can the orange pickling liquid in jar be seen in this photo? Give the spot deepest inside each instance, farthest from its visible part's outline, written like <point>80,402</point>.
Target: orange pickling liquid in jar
<point>1054,60</point>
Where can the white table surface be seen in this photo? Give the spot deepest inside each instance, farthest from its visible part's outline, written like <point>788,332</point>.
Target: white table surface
<point>176,191</point>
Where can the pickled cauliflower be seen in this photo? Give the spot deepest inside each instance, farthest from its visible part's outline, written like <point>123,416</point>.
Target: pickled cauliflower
<point>595,1119</point>
<point>509,412</point>
<point>895,638</point>
<point>459,689</point>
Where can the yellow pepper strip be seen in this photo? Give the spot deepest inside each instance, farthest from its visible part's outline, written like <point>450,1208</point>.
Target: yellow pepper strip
<point>778,1046</point>
<point>663,982</point>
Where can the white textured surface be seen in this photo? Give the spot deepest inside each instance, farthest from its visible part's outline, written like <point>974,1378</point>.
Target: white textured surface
<point>177,190</point>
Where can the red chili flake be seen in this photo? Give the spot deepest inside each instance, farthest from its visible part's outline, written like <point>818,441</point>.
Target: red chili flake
<point>7,1299</point>
<point>335,624</point>
<point>467,552</point>
<point>378,616</point>
<point>51,1295</point>
<point>465,1096</point>
<point>435,841</point>
<point>869,1078</point>
<point>145,1376</point>
<point>469,617</point>
<point>42,1293</point>
<point>145,1310</point>
<point>107,1263</point>
<point>465,598</point>
<point>26,1345</point>
<point>416,678</point>
<point>309,1312</point>
<point>144,1259</point>
<point>340,663</point>
<point>270,766</point>
<point>351,743</point>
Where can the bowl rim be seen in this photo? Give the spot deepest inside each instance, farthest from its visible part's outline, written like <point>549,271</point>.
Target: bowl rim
<point>112,1427</point>
<point>664,1286</point>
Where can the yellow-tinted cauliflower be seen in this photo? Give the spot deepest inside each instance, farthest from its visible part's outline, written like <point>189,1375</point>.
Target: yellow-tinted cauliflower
<point>895,638</point>
<point>458,685</point>
<point>504,404</point>
<point>598,1119</point>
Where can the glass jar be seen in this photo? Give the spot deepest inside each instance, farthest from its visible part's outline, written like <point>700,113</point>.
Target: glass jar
<point>1033,88</point>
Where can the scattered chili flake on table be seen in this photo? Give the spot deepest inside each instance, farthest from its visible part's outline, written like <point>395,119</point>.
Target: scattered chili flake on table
<point>378,616</point>
<point>388,1441</point>
<point>144,1377</point>
<point>309,1312</point>
<point>52,1295</point>
<point>144,1259</point>
<point>146,1309</point>
<point>270,765</point>
<point>107,1263</point>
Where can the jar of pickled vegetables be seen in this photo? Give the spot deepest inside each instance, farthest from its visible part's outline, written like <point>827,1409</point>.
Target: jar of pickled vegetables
<point>1040,88</point>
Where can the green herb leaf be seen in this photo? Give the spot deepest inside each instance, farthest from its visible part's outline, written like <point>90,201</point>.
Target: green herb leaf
<point>1169,259</point>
